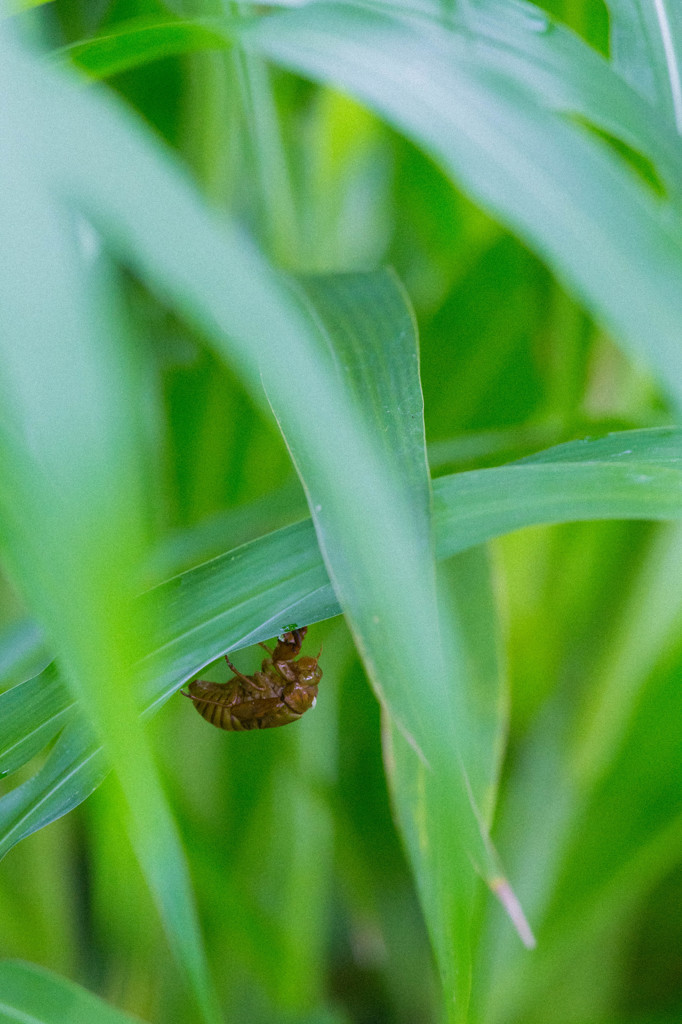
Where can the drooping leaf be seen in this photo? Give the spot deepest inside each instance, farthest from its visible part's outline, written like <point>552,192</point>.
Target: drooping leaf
<point>579,207</point>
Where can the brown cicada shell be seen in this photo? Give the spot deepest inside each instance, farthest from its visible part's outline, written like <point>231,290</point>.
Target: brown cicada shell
<point>283,690</point>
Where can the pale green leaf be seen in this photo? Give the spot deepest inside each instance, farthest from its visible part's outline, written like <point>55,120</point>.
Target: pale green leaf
<point>74,496</point>
<point>563,73</point>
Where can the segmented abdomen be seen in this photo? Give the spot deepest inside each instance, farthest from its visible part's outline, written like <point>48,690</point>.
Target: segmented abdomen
<point>215,703</point>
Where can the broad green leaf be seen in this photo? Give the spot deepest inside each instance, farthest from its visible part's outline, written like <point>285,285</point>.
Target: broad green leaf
<point>566,75</point>
<point>32,995</point>
<point>577,205</point>
<point>646,46</point>
<point>635,474</point>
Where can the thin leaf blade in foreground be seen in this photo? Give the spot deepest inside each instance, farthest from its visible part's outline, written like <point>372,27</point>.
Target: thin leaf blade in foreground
<point>73,501</point>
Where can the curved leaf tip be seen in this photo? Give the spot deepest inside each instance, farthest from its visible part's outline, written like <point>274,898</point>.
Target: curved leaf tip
<point>509,900</point>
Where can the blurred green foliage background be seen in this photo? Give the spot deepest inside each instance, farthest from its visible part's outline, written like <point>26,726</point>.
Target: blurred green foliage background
<point>305,897</point>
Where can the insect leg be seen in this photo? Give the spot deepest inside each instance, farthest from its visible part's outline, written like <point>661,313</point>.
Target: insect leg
<point>239,675</point>
<point>266,648</point>
<point>285,671</point>
<point>191,695</point>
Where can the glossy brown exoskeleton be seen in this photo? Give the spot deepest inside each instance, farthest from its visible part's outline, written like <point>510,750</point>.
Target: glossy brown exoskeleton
<point>283,690</point>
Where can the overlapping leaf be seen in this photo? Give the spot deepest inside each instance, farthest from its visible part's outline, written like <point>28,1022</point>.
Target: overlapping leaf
<point>248,594</point>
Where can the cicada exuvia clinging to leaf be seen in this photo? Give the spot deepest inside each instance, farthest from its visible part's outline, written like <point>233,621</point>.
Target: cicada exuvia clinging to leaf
<point>283,690</point>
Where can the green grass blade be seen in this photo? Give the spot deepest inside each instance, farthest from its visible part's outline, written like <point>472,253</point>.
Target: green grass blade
<point>74,769</point>
<point>31,714</point>
<point>32,995</point>
<point>281,577</point>
<point>244,596</point>
<point>369,329</point>
<point>240,598</point>
<point>563,192</point>
<point>635,474</point>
